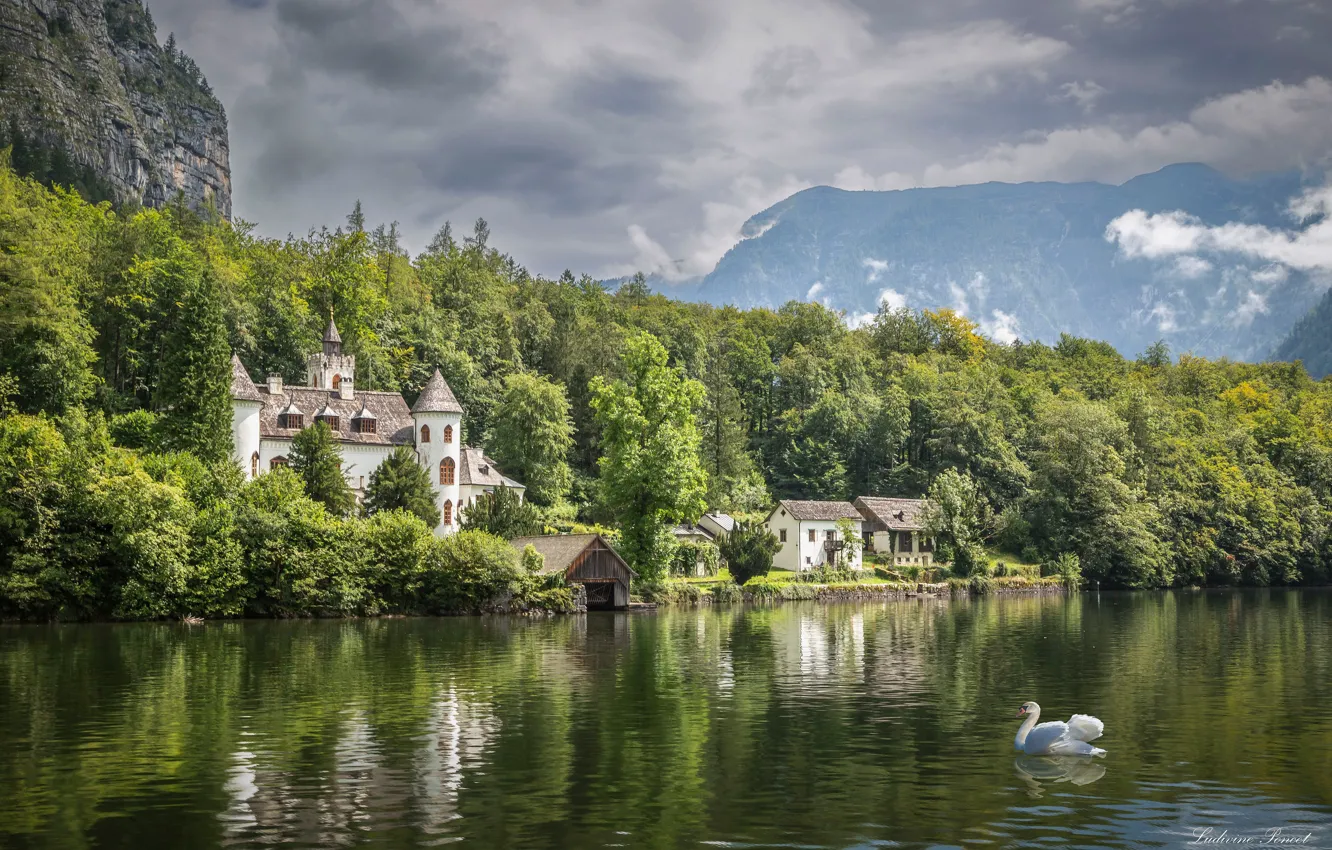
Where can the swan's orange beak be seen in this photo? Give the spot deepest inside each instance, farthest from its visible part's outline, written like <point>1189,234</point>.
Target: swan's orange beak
<point>1021,711</point>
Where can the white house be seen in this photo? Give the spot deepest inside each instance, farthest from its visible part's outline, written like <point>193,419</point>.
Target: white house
<point>897,527</point>
<point>717,523</point>
<point>810,537</point>
<point>367,425</point>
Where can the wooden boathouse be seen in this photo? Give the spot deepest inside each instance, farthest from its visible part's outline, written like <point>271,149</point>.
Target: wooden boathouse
<point>588,560</point>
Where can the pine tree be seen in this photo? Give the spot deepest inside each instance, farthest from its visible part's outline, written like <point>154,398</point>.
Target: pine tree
<point>724,430</point>
<point>195,378</point>
<point>357,218</point>
<point>318,462</point>
<point>401,482</point>
<point>503,514</point>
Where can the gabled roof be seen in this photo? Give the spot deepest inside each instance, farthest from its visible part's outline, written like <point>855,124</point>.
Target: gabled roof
<point>895,514</point>
<point>291,410</point>
<point>326,411</point>
<point>562,550</point>
<point>242,388</point>
<point>436,397</point>
<point>821,511</point>
<point>394,420</point>
<point>480,471</point>
<point>725,522</point>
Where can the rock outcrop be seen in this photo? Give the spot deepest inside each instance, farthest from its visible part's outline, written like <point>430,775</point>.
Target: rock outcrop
<point>85,83</point>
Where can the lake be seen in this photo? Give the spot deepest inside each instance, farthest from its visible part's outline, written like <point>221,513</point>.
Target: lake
<point>800,725</point>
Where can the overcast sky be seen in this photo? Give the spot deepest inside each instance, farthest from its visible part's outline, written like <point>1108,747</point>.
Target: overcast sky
<point>606,137</point>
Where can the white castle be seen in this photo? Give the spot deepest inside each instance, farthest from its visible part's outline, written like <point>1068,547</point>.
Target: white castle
<point>368,425</point>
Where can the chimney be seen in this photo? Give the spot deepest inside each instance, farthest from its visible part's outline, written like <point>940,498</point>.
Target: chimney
<point>275,385</point>
<point>346,391</point>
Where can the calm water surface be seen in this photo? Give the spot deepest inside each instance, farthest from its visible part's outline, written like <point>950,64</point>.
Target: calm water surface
<point>886,724</point>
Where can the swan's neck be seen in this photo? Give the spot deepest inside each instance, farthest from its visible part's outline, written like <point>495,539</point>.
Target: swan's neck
<point>1026,727</point>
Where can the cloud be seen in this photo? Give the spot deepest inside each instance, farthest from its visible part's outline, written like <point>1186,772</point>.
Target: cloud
<point>876,268</point>
<point>814,291</point>
<point>568,124</point>
<point>1190,267</point>
<point>1165,317</point>
<point>1307,246</point>
<point>892,299</point>
<point>1250,306</point>
<point>1001,327</point>
<point>1084,94</point>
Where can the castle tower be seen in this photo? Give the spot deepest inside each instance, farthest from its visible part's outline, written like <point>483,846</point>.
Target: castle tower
<point>330,369</point>
<point>437,416</point>
<point>245,405</point>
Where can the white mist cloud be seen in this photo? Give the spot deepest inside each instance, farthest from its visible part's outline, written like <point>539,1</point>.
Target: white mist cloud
<point>1249,308</point>
<point>1190,267</point>
<point>1307,246</point>
<point>892,299</point>
<point>814,291</point>
<point>876,268</point>
<point>1001,327</point>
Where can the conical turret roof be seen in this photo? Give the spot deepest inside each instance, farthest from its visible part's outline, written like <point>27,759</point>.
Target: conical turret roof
<point>436,397</point>
<point>242,388</point>
<point>331,332</point>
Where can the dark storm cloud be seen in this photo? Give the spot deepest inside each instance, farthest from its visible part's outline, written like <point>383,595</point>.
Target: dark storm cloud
<point>606,135</point>
<point>375,42</point>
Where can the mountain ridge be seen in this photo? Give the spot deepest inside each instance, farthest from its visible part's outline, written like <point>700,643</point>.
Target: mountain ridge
<point>1028,260</point>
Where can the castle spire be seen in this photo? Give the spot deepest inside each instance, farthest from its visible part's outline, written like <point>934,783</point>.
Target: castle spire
<point>332,339</point>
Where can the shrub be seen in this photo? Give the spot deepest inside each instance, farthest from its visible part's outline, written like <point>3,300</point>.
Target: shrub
<point>472,571</point>
<point>1067,567</point>
<point>690,554</point>
<point>748,550</point>
<point>726,593</point>
<point>138,429</point>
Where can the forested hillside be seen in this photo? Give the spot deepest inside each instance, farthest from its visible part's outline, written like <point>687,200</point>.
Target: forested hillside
<point>1310,340</point>
<point>117,498</point>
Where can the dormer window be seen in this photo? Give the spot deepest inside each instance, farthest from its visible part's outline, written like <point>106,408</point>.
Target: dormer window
<point>329,417</point>
<point>291,417</point>
<point>364,426</point>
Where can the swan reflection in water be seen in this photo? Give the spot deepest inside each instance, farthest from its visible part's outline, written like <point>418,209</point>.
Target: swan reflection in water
<point>1039,771</point>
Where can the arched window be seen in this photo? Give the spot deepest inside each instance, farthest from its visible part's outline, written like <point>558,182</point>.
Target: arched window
<point>425,433</point>
<point>278,462</point>
<point>337,382</point>
<point>448,434</point>
<point>446,471</point>
<point>448,512</point>
<point>254,465</point>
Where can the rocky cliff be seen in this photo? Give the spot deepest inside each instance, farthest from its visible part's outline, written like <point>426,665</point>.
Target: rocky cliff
<point>88,96</point>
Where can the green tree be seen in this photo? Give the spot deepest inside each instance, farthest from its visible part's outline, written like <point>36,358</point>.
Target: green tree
<point>316,459</point>
<point>502,513</point>
<point>531,435</point>
<point>400,483</point>
<point>747,550</point>
<point>194,391</point>
<point>650,470</point>
<point>45,338</point>
<point>958,518</point>
<point>724,431</point>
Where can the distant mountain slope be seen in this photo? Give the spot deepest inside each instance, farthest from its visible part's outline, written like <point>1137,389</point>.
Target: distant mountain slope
<point>89,98</point>
<point>1311,340</point>
<point>1028,260</point>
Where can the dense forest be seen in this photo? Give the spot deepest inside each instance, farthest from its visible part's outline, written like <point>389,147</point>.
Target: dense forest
<point>623,408</point>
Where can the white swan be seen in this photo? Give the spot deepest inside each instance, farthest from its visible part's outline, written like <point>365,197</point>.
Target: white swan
<point>1057,738</point>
